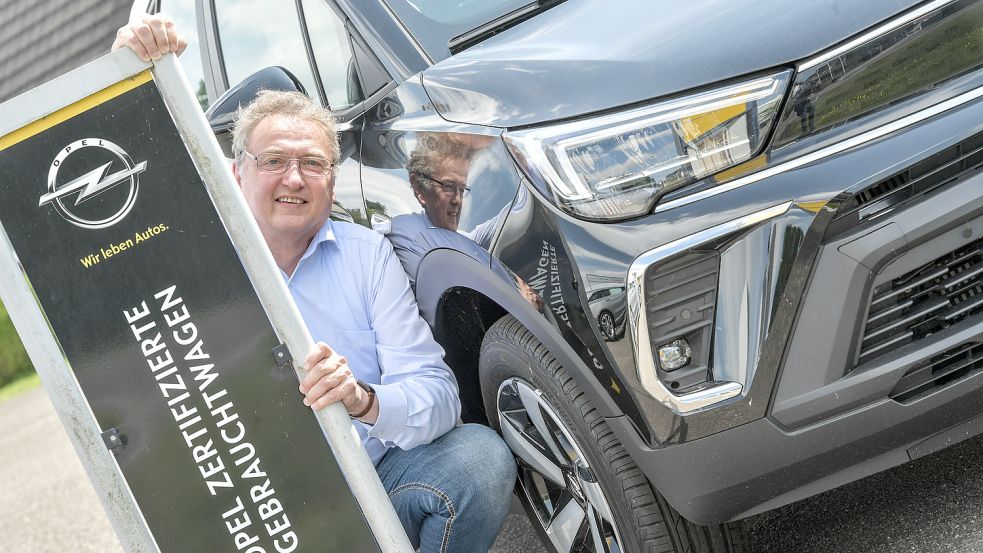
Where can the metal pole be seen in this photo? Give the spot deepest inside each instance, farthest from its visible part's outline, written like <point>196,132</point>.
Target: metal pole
<point>258,262</point>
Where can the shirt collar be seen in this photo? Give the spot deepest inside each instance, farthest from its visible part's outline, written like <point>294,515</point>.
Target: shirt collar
<point>325,234</point>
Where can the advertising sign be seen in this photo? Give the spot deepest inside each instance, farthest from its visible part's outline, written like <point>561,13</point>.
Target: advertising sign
<point>160,326</point>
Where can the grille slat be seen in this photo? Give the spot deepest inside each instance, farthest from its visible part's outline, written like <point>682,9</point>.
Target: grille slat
<point>908,321</point>
<point>940,371</point>
<point>884,347</point>
<point>663,338</point>
<point>939,170</point>
<point>682,299</point>
<point>975,305</point>
<point>968,276</point>
<point>888,312</point>
<point>924,301</point>
<point>901,290</point>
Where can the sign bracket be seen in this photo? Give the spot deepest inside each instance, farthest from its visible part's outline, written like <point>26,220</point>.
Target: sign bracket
<point>113,440</point>
<point>282,357</point>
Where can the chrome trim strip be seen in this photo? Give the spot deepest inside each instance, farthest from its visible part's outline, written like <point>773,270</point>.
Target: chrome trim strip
<point>882,30</point>
<point>714,392</point>
<point>840,147</point>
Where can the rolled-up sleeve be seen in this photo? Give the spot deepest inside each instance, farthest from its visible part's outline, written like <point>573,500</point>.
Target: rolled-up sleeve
<point>417,393</point>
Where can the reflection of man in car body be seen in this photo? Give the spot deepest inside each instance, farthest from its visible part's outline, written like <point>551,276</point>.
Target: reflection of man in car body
<point>438,170</point>
<point>450,485</point>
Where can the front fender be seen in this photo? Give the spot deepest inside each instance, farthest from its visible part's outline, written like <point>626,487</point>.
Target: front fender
<point>443,270</point>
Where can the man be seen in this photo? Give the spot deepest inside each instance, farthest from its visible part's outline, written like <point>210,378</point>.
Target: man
<point>438,170</point>
<point>451,485</point>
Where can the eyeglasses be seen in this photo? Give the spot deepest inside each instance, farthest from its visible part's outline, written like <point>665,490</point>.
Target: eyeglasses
<point>278,164</point>
<point>448,188</point>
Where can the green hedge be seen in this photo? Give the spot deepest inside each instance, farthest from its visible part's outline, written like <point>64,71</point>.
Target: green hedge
<point>13,359</point>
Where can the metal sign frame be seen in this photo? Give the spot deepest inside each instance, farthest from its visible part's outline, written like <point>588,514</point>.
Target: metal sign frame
<point>50,361</point>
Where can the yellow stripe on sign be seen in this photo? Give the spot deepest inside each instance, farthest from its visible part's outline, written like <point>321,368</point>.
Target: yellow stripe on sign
<point>71,110</point>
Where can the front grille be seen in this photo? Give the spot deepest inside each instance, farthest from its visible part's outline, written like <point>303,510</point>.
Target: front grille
<point>941,169</point>
<point>942,370</point>
<point>924,301</point>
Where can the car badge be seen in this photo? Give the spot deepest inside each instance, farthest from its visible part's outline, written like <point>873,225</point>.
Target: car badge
<point>92,184</point>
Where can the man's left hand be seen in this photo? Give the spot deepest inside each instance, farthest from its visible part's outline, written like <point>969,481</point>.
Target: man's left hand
<point>329,379</point>
<point>150,38</point>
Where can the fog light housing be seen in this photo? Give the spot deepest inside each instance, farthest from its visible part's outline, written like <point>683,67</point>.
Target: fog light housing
<point>675,355</point>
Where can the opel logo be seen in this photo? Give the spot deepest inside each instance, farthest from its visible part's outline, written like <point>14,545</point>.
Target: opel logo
<point>92,184</point>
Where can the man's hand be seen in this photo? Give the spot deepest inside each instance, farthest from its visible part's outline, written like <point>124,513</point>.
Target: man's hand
<point>529,294</point>
<point>329,379</point>
<point>155,36</point>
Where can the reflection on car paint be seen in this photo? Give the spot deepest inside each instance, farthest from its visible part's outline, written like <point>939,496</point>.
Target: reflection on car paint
<point>916,57</point>
<point>438,168</point>
<point>531,244</point>
<point>608,306</point>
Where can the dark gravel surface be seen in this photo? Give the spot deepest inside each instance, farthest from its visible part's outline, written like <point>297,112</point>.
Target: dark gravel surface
<point>934,505</point>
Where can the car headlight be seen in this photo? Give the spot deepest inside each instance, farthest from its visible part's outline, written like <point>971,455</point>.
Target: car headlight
<point>616,166</point>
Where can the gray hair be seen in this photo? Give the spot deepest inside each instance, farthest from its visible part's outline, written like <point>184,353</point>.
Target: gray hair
<point>431,150</point>
<point>290,104</point>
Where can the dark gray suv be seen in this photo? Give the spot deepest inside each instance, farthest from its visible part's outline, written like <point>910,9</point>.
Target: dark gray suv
<point>789,194</point>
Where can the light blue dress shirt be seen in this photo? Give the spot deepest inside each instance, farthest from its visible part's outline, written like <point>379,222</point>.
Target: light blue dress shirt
<point>354,296</point>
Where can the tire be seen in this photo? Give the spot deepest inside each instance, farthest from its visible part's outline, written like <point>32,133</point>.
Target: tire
<point>605,321</point>
<point>581,490</point>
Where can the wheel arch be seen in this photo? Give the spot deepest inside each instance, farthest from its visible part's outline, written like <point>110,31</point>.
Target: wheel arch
<point>449,282</point>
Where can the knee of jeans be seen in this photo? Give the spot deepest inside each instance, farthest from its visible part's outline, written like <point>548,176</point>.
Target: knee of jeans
<point>493,466</point>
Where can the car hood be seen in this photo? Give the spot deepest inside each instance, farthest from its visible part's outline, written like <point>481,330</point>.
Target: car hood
<point>585,56</point>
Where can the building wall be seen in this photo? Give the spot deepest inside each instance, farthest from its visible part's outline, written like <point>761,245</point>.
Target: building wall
<point>42,39</point>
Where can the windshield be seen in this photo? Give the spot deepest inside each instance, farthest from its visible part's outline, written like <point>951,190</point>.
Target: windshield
<point>434,22</point>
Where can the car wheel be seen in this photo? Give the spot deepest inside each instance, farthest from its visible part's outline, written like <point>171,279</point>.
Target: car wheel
<point>606,323</point>
<point>581,490</point>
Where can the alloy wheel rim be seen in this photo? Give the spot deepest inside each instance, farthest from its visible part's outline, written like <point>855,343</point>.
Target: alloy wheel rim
<point>606,322</point>
<point>555,477</point>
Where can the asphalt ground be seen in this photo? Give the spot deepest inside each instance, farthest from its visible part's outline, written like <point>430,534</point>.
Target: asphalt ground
<point>933,505</point>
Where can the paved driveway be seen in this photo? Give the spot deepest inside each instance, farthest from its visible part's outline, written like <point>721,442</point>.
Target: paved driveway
<point>47,503</point>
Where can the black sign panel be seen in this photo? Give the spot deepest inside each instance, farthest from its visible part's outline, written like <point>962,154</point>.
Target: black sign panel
<point>165,335</point>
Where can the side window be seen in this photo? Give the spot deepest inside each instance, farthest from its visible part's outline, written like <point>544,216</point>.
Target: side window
<point>333,55</point>
<point>259,33</point>
<point>183,14</point>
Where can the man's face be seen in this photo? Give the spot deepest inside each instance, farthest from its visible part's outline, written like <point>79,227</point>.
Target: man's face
<point>444,207</point>
<point>289,207</point>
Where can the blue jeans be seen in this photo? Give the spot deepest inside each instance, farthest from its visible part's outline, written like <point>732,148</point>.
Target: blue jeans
<point>451,495</point>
